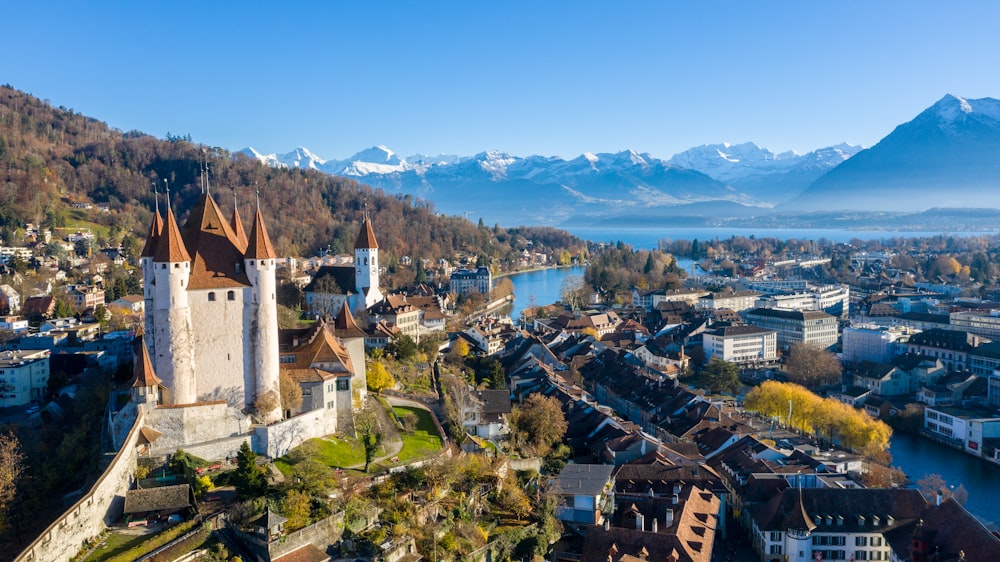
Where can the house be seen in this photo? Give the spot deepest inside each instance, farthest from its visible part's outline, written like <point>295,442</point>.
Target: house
<point>159,504</point>
<point>733,300</point>
<point>131,304</point>
<point>943,532</point>
<point>600,322</point>
<point>807,524</point>
<point>38,307</point>
<point>10,300</point>
<point>882,379</point>
<point>84,297</point>
<point>871,342</point>
<point>586,493</point>
<point>13,323</point>
<point>963,428</point>
<point>487,416</point>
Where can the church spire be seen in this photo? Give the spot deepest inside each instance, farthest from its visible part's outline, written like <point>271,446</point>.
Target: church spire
<point>366,237</point>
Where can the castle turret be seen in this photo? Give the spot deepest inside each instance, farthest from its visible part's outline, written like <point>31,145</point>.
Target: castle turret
<point>237,224</point>
<point>172,332</point>
<point>146,262</point>
<point>798,542</point>
<point>366,263</point>
<point>353,339</point>
<point>260,259</point>
<point>146,386</point>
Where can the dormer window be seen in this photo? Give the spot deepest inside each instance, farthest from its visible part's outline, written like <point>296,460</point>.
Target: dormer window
<point>239,267</point>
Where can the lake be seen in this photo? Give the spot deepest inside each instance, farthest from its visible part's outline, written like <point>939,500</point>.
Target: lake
<point>650,237</point>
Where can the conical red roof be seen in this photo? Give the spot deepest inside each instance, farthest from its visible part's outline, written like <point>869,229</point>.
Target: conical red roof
<point>217,251</point>
<point>144,375</point>
<point>170,246</point>
<point>366,238</point>
<point>259,247</point>
<point>155,229</point>
<point>237,225</point>
<point>345,326</point>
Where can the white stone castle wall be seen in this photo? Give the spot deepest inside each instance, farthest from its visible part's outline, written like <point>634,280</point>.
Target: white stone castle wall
<point>221,333</point>
<point>277,439</point>
<point>95,511</point>
<point>185,427</point>
<point>264,327</point>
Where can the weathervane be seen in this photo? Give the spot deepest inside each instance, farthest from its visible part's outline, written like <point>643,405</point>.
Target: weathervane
<point>166,183</point>
<point>156,198</point>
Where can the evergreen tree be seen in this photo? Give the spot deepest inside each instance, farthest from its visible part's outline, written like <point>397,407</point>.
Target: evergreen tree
<point>248,478</point>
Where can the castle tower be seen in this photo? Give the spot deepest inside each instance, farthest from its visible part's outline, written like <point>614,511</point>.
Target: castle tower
<point>366,263</point>
<point>146,262</point>
<point>171,323</point>
<point>260,260</point>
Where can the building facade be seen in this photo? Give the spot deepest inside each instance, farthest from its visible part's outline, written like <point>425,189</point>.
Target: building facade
<point>743,345</point>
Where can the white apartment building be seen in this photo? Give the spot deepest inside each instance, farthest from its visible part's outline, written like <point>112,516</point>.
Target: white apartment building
<point>832,299</point>
<point>871,342</point>
<point>741,344</point>
<point>734,300</point>
<point>796,326</point>
<point>24,376</point>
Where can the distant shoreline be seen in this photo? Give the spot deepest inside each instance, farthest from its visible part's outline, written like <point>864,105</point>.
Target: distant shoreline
<point>533,269</point>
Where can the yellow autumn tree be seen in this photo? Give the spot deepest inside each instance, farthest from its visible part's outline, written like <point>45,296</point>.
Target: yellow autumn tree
<point>379,378</point>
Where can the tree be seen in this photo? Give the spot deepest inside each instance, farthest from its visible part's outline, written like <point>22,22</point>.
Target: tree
<point>325,301</point>
<point>539,423</point>
<point>296,507</point>
<point>102,315</point>
<point>248,477</point>
<point>402,347</point>
<point>369,433</point>
<point>812,366</point>
<point>721,376</point>
<point>291,392</point>
<point>379,378</point>
<point>574,291</point>
<point>62,308</point>
<point>11,468</point>
<point>266,402</point>
<point>459,350</point>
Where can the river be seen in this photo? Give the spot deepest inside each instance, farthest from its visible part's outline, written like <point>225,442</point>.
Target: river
<point>918,457</point>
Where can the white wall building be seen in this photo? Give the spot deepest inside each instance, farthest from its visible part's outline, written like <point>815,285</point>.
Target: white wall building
<point>24,376</point>
<point>741,344</point>
<point>870,342</point>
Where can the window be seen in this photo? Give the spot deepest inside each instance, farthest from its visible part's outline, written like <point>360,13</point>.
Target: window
<point>775,549</point>
<point>211,297</point>
<point>231,295</point>
<point>860,541</point>
<point>775,537</point>
<point>331,405</point>
<point>343,384</point>
<point>861,555</point>
<point>876,541</point>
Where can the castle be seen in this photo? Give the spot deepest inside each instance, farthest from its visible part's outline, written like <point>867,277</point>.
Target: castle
<point>211,312</point>
<point>208,366</point>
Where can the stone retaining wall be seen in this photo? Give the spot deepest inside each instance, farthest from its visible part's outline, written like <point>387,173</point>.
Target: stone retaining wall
<point>98,509</point>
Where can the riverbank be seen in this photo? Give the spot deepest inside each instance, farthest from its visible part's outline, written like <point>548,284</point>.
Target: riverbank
<point>535,269</point>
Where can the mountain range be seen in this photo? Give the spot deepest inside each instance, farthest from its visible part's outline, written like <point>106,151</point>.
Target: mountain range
<point>946,157</point>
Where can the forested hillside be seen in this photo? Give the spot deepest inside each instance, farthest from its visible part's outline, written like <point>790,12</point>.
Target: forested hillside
<point>51,157</point>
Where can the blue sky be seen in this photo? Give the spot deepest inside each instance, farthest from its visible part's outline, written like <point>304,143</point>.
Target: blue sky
<point>549,78</point>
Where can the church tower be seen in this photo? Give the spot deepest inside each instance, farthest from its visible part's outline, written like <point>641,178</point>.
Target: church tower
<point>366,263</point>
<point>260,260</point>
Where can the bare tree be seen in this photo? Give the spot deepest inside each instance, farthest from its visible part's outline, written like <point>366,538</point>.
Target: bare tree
<point>11,468</point>
<point>812,366</point>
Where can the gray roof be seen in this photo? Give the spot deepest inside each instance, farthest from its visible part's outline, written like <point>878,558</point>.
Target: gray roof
<point>585,479</point>
<point>166,498</point>
<point>495,401</point>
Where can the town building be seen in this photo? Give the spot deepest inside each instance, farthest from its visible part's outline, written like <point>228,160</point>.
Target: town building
<point>465,281</point>
<point>743,345</point>
<point>356,283</point>
<point>24,376</point>
<point>732,300</point>
<point>870,342</point>
<point>812,327</point>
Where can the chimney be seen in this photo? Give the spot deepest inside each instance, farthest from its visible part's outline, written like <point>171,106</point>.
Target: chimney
<point>668,521</point>
<point>656,525</point>
<point>651,491</point>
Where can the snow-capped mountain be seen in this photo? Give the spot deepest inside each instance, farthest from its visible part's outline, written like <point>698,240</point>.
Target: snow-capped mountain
<point>947,156</point>
<point>502,187</point>
<point>760,173</point>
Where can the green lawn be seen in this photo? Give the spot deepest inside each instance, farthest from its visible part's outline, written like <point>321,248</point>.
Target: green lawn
<point>331,451</point>
<point>116,543</point>
<point>425,439</point>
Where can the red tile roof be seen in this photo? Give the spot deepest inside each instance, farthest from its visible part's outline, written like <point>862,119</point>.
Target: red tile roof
<point>155,229</point>
<point>237,225</point>
<point>218,254</point>
<point>260,244</point>
<point>144,375</point>
<point>366,238</point>
<point>170,246</point>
